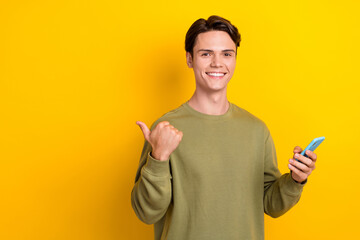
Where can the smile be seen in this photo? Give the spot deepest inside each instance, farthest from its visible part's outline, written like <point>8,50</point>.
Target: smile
<point>215,74</point>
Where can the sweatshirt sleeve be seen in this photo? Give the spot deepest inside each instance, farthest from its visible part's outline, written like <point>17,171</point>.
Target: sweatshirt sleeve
<point>281,192</point>
<point>151,194</point>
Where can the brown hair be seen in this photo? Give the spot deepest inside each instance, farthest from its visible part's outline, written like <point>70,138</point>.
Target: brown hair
<point>213,23</point>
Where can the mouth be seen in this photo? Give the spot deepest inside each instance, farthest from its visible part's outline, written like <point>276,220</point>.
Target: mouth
<point>216,75</point>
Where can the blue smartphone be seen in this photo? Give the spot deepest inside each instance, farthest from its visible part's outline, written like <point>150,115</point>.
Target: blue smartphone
<point>312,146</point>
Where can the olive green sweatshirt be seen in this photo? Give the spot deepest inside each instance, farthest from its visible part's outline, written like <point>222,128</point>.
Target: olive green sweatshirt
<point>218,182</point>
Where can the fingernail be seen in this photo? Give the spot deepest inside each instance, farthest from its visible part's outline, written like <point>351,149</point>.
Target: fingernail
<point>291,160</point>
<point>297,155</point>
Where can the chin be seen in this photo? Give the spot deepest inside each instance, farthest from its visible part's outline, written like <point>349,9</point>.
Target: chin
<point>216,88</point>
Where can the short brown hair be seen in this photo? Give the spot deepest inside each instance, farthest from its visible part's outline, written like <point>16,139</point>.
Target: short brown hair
<point>213,23</point>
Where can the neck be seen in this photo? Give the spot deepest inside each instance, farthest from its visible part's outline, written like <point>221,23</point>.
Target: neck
<point>213,104</point>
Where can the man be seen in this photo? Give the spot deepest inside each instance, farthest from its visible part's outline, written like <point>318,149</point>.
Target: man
<point>208,169</point>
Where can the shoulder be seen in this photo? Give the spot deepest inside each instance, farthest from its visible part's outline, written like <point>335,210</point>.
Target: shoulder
<point>241,112</point>
<point>249,118</point>
<point>170,116</point>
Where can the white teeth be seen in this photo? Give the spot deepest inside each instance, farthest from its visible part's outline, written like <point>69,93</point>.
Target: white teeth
<point>216,74</point>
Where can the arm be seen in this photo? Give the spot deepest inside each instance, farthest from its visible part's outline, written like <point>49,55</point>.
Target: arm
<point>281,192</point>
<point>151,194</point>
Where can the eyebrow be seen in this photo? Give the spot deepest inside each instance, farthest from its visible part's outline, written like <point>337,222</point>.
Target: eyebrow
<point>209,50</point>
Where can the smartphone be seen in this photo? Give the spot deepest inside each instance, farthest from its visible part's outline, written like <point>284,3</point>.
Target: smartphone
<point>312,146</point>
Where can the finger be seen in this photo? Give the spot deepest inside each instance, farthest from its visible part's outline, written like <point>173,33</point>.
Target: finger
<point>300,166</point>
<point>297,172</point>
<point>145,130</point>
<point>180,134</point>
<point>311,155</point>
<point>164,123</point>
<point>307,161</point>
<point>303,159</point>
<point>297,149</point>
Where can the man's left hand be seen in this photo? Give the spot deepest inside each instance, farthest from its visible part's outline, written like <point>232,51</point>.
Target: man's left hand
<point>302,170</point>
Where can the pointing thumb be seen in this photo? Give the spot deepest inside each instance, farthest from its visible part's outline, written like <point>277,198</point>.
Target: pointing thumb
<point>145,130</point>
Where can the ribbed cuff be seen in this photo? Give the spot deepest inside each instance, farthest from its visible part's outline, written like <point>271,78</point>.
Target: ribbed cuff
<point>156,167</point>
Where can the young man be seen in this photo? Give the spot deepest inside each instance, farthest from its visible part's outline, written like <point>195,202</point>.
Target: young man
<point>208,169</point>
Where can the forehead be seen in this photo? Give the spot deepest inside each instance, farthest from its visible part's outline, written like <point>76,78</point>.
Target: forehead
<point>215,40</point>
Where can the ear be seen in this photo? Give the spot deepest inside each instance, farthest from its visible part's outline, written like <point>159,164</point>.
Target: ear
<point>189,60</point>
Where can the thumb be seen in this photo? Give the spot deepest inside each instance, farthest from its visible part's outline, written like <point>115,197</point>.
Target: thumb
<point>297,149</point>
<point>145,130</point>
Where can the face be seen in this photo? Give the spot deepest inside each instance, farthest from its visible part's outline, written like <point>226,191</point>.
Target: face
<point>213,60</point>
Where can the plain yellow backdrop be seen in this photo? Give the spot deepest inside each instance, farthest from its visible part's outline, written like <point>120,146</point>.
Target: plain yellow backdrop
<point>75,76</point>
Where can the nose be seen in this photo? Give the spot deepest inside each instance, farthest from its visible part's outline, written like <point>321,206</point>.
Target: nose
<point>215,61</point>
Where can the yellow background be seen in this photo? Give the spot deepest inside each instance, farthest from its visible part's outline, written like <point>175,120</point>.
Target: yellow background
<point>76,75</point>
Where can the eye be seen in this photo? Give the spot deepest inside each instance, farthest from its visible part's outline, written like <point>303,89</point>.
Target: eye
<point>228,54</point>
<point>205,54</point>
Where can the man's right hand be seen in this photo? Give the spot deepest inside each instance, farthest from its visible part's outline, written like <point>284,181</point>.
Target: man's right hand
<point>164,139</point>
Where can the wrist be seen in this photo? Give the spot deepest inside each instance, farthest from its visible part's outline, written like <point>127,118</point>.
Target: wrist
<point>303,182</point>
<point>300,182</point>
<point>158,156</point>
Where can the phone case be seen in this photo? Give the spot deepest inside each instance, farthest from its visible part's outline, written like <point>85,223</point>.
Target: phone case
<point>313,145</point>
